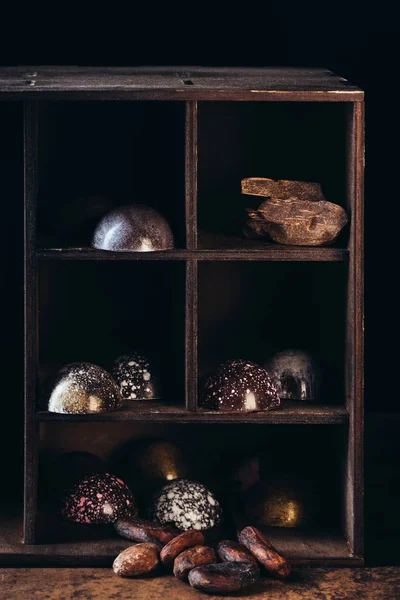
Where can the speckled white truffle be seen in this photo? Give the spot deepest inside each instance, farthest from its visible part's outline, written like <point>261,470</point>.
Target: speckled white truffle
<point>82,388</point>
<point>188,505</point>
<point>137,377</point>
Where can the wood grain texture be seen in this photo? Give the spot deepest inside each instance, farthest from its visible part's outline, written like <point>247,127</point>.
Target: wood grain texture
<point>191,335</point>
<point>210,248</point>
<point>313,584</point>
<point>153,411</point>
<point>191,159</point>
<point>353,485</point>
<point>119,83</point>
<point>30,321</point>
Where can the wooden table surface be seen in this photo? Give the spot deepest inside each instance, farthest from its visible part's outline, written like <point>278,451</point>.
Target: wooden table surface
<point>381,583</point>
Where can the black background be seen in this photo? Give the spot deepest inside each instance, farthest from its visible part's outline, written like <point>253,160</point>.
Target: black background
<point>364,49</point>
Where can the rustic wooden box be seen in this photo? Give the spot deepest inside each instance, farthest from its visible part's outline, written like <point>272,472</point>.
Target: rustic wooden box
<point>191,134</point>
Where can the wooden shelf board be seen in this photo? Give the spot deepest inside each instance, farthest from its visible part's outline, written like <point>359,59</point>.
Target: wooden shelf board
<point>155,411</point>
<point>176,83</point>
<point>300,546</point>
<point>227,249</point>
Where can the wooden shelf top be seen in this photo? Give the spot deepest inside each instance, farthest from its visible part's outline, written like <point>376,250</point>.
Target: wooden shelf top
<point>177,83</point>
<point>229,249</point>
<point>291,412</point>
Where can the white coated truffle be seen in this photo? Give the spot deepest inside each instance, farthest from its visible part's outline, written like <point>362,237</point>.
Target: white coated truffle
<point>188,505</point>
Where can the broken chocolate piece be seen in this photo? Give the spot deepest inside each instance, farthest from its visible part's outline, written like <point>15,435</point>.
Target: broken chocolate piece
<point>282,189</point>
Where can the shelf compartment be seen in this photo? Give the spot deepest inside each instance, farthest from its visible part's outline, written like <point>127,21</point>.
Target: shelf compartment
<point>94,156</point>
<point>295,141</point>
<point>257,309</point>
<point>290,412</point>
<point>96,311</point>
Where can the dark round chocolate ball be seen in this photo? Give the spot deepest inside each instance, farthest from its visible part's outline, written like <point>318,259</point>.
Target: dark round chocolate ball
<point>294,374</point>
<point>133,228</point>
<point>280,503</point>
<point>98,498</point>
<point>238,386</point>
<point>137,377</point>
<point>160,461</point>
<point>82,388</point>
<point>187,504</point>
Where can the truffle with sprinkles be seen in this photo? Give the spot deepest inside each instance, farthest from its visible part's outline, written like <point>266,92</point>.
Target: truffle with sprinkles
<point>136,377</point>
<point>82,388</point>
<point>187,504</point>
<point>98,498</point>
<point>239,386</point>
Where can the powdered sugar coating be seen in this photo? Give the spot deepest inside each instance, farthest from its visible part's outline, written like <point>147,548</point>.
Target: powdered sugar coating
<point>239,386</point>
<point>188,505</point>
<point>98,498</point>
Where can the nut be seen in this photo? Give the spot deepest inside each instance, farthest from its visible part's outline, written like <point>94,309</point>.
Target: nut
<point>140,530</point>
<point>224,578</point>
<point>229,551</point>
<point>193,557</point>
<point>181,542</point>
<point>137,560</point>
<point>264,552</point>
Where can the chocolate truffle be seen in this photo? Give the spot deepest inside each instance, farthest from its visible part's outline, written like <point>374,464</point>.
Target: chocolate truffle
<point>83,388</point>
<point>239,386</point>
<point>133,228</point>
<point>98,498</point>
<point>188,505</point>
<point>294,374</point>
<point>136,377</point>
<point>280,503</point>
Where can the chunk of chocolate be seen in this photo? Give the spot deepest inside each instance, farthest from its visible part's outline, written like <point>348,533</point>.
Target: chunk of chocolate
<point>298,222</point>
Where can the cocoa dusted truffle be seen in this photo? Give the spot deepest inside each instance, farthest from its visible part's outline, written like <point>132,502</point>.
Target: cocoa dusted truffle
<point>239,386</point>
<point>137,377</point>
<point>188,505</point>
<point>82,388</point>
<point>98,498</point>
<point>133,228</point>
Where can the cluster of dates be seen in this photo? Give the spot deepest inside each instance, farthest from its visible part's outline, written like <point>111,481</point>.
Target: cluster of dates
<point>191,560</point>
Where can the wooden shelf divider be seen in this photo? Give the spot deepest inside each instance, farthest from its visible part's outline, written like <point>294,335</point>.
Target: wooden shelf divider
<point>30,322</point>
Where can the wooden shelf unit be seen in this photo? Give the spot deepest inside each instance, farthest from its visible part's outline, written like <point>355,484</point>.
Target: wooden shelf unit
<point>200,107</point>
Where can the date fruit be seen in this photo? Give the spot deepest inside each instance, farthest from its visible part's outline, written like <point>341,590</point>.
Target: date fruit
<point>230,551</point>
<point>181,542</point>
<point>137,560</point>
<point>264,552</point>
<point>140,530</point>
<point>224,578</point>
<point>196,556</point>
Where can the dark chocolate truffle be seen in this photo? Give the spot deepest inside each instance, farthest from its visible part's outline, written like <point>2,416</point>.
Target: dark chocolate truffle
<point>188,505</point>
<point>83,388</point>
<point>239,386</point>
<point>136,377</point>
<point>133,228</point>
<point>98,498</point>
<point>294,374</point>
